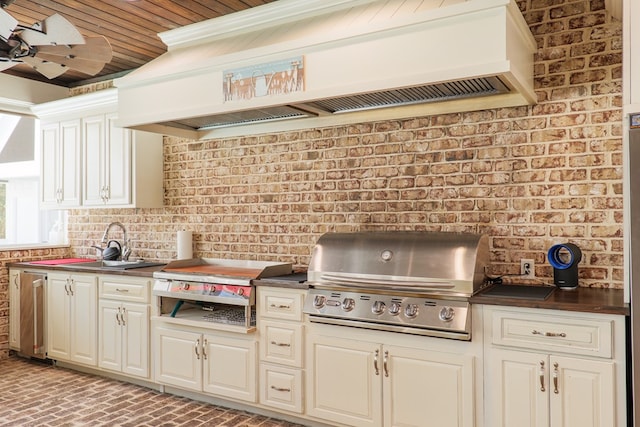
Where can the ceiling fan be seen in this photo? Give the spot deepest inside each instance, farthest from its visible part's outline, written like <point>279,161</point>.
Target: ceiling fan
<point>51,46</point>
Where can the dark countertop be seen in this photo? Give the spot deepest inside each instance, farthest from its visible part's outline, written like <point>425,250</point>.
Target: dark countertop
<point>134,272</point>
<point>291,281</point>
<point>591,300</point>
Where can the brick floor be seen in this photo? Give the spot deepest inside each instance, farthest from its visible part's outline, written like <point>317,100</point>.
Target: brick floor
<point>36,394</point>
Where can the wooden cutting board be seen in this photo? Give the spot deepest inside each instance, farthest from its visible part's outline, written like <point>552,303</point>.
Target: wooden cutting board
<point>216,270</point>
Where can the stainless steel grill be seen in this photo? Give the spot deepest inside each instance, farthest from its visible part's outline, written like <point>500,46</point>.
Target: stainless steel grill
<point>401,281</point>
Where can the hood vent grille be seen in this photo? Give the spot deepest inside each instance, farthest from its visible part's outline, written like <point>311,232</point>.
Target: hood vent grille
<point>414,95</point>
<point>241,117</point>
<point>359,102</point>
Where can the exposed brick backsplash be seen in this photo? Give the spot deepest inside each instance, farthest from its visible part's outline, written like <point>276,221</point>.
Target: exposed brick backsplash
<point>529,177</point>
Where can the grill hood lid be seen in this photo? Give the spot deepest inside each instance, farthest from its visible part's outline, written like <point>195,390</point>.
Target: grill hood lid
<point>355,61</point>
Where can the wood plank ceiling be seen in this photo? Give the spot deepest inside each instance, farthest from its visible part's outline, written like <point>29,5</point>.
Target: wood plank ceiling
<point>131,26</point>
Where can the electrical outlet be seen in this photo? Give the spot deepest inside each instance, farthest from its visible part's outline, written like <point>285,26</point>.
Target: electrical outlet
<point>527,268</point>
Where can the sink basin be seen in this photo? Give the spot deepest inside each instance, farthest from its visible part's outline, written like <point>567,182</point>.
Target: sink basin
<point>113,265</point>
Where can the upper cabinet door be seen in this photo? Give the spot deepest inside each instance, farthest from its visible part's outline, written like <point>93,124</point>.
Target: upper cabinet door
<point>107,162</point>
<point>93,177</point>
<point>50,170</point>
<point>60,182</point>
<point>117,163</point>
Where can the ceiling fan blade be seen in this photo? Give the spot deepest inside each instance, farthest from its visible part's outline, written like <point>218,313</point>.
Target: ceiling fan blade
<point>7,24</point>
<point>83,65</point>
<point>5,65</point>
<point>95,48</point>
<point>54,30</point>
<point>50,70</point>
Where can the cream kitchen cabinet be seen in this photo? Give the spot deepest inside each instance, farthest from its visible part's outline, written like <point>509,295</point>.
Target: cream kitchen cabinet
<point>71,317</point>
<point>123,325</point>
<point>552,368</point>
<point>61,161</point>
<point>367,383</point>
<point>14,309</point>
<point>220,364</point>
<point>121,168</point>
<point>89,161</point>
<point>281,329</point>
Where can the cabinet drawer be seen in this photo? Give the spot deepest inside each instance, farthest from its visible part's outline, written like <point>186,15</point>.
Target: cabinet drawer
<point>281,342</point>
<point>585,335</point>
<point>279,303</point>
<point>125,288</point>
<point>281,387</point>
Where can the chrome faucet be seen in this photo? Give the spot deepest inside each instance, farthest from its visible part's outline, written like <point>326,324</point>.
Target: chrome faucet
<point>126,250</point>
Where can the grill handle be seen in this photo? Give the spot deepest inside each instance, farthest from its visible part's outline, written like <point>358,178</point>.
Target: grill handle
<point>373,283</point>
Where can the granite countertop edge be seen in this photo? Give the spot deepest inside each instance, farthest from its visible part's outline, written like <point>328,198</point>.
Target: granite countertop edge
<point>581,299</point>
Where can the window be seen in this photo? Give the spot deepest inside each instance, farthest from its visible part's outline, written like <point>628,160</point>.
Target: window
<point>22,222</point>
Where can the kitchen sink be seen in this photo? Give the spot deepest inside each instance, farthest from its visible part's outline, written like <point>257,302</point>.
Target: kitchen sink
<point>113,265</point>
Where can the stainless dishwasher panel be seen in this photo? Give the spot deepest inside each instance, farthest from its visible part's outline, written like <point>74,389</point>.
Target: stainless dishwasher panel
<point>32,321</point>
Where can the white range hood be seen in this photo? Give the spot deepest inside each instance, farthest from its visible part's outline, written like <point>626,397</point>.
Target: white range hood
<point>295,64</point>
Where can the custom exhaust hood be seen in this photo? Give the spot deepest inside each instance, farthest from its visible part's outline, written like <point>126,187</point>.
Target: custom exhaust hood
<point>295,64</point>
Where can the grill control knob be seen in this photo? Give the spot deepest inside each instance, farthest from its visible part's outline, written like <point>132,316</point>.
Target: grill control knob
<point>447,314</point>
<point>394,308</point>
<point>411,311</point>
<point>348,304</point>
<point>318,301</point>
<point>378,307</point>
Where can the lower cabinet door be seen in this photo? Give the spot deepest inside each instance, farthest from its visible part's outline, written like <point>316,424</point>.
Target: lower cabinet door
<point>427,388</point>
<point>344,382</point>
<point>230,367</point>
<point>135,340</point>
<point>58,320</point>
<point>582,392</point>
<point>110,336</point>
<point>517,387</point>
<point>178,358</point>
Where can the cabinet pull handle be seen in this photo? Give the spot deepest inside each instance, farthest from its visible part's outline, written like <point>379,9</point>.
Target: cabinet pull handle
<point>124,291</point>
<point>555,378</point>
<point>549,334</point>
<point>287,390</point>
<point>384,364</point>
<point>280,306</point>
<point>118,317</point>
<point>71,283</point>
<point>204,349</point>
<point>16,282</point>
<point>66,288</point>
<point>197,349</point>
<point>280,344</point>
<point>375,362</point>
<point>124,312</point>
<point>542,376</point>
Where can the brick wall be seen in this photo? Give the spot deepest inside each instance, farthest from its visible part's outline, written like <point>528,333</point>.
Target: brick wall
<point>529,177</point>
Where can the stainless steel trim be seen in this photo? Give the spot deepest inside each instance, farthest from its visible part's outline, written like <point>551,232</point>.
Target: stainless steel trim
<point>464,336</point>
<point>393,282</point>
